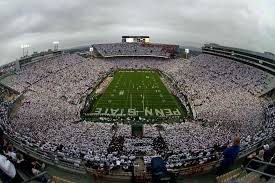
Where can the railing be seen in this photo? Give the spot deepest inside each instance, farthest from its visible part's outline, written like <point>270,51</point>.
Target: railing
<point>260,172</point>
<point>61,180</point>
<point>35,177</point>
<point>49,158</point>
<point>196,169</point>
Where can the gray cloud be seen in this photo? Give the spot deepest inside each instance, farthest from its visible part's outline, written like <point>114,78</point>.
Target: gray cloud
<point>242,23</point>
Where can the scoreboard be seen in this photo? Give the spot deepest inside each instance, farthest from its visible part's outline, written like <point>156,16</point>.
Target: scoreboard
<point>135,39</point>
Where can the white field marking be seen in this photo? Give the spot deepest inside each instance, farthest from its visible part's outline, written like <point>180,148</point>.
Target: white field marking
<point>151,111</point>
<point>125,105</point>
<point>121,92</point>
<point>131,101</point>
<point>143,102</point>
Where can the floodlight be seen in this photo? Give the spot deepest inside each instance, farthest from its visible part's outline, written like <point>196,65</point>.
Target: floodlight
<point>25,45</point>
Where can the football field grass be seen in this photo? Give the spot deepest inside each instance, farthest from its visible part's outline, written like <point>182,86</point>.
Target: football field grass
<point>137,93</point>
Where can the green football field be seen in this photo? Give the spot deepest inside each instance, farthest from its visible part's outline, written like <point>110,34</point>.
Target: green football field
<point>137,93</point>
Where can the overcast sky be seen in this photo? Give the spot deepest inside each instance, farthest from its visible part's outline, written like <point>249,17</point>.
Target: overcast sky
<point>246,24</point>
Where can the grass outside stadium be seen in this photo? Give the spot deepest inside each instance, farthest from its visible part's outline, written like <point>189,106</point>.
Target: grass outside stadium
<point>134,94</point>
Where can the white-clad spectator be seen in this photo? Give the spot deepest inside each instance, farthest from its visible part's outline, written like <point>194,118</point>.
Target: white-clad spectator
<point>7,167</point>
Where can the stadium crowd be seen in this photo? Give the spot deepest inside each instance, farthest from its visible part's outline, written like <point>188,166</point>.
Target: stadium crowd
<point>135,49</point>
<point>223,95</point>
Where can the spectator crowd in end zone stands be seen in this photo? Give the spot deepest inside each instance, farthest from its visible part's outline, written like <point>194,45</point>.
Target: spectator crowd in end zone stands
<point>135,49</point>
<point>224,94</point>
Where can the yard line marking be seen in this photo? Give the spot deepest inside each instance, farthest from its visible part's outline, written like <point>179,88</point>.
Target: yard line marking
<point>143,101</point>
<point>131,101</point>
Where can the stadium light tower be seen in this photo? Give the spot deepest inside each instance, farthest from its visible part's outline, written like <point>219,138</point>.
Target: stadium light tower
<point>25,48</point>
<point>55,45</point>
<point>186,52</point>
<point>22,47</point>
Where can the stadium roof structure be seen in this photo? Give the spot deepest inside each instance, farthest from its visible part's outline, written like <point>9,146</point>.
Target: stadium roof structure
<point>264,61</point>
<point>267,55</point>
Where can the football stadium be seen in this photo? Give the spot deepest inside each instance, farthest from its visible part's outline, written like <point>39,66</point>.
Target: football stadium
<point>130,106</point>
<point>127,102</point>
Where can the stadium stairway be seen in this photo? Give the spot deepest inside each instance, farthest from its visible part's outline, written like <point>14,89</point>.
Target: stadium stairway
<point>230,176</point>
<point>240,176</point>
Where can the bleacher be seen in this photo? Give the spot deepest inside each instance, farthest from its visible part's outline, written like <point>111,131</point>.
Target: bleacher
<point>135,49</point>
